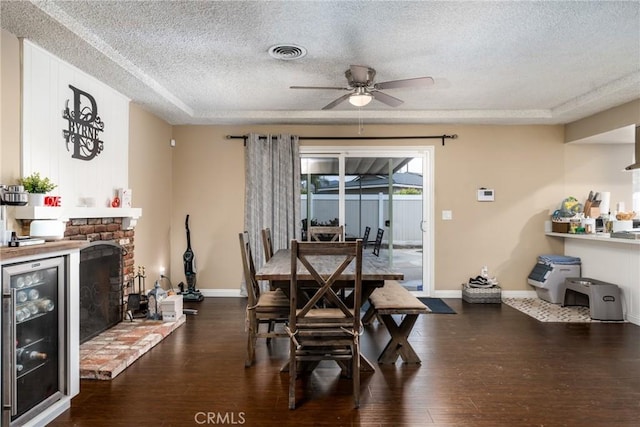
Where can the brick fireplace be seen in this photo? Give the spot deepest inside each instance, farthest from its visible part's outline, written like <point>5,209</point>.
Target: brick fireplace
<point>108,229</point>
<point>106,271</point>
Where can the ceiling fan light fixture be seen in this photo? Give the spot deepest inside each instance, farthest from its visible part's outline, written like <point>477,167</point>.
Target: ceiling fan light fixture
<point>360,99</point>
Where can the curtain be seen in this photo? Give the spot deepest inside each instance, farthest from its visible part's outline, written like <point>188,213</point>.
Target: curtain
<point>272,191</point>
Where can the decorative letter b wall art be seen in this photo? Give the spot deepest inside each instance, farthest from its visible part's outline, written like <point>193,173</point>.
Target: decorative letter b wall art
<point>84,125</point>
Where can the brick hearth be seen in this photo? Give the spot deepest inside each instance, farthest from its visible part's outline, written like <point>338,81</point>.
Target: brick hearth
<point>108,354</point>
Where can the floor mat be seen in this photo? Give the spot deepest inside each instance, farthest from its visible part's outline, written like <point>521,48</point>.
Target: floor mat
<point>547,312</point>
<point>437,306</point>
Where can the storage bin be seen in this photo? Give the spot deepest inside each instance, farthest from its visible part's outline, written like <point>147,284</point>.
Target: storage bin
<point>560,227</point>
<point>492,295</point>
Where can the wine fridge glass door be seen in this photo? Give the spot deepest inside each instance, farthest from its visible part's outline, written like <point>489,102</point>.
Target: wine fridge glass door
<point>33,330</point>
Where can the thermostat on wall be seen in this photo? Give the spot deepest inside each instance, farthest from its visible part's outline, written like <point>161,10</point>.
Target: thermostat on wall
<point>486,195</point>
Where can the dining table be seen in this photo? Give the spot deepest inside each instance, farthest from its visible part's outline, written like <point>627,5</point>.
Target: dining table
<point>375,271</point>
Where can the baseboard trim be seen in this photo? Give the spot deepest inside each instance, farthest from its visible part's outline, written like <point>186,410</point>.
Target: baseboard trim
<point>221,293</point>
<point>236,293</point>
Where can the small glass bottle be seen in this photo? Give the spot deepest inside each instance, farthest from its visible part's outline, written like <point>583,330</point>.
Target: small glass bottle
<point>34,294</point>
<point>46,305</point>
<point>21,296</point>
<point>33,308</point>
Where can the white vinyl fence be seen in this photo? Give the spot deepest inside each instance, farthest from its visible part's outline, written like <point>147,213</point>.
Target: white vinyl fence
<point>371,210</point>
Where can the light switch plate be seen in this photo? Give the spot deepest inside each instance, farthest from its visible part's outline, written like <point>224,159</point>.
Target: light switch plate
<point>447,215</point>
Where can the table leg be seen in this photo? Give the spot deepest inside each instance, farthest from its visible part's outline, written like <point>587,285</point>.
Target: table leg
<point>398,344</point>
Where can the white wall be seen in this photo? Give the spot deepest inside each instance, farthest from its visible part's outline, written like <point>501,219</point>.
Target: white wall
<point>46,81</point>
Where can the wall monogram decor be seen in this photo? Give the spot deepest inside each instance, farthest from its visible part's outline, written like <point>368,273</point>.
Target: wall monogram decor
<point>84,126</point>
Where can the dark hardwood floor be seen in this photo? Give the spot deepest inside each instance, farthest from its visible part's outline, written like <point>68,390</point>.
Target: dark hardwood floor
<point>488,365</point>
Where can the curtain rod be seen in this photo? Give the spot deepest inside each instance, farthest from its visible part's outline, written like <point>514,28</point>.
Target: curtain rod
<point>337,138</point>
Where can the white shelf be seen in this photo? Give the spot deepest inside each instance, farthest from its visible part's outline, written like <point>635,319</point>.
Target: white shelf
<point>64,214</point>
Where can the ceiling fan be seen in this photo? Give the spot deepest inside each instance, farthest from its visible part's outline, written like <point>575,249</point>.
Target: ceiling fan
<point>362,88</point>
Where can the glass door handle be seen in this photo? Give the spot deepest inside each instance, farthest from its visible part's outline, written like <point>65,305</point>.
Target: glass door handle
<point>9,375</point>
<point>422,223</point>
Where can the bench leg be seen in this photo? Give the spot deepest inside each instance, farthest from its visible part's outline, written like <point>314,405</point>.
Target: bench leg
<point>398,344</point>
<point>368,315</point>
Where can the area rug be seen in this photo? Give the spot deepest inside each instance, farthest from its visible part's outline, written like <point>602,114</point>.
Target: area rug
<point>547,312</point>
<point>111,352</point>
<point>437,306</point>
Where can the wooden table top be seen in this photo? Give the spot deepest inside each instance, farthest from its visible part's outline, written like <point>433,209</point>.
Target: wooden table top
<point>373,268</point>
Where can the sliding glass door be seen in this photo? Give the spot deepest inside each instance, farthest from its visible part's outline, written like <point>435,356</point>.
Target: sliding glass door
<point>388,193</point>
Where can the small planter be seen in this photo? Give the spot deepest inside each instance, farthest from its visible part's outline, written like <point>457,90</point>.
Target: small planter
<point>37,187</point>
<point>36,199</point>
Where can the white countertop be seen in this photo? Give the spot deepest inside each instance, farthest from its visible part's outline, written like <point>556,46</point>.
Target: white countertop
<point>598,237</point>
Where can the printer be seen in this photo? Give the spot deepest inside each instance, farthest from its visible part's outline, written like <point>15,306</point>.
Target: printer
<point>549,274</point>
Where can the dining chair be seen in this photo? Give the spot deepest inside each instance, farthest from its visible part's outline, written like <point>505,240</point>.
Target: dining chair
<point>268,307</point>
<point>267,244</point>
<point>365,237</point>
<point>330,332</point>
<point>378,243</point>
<point>335,233</point>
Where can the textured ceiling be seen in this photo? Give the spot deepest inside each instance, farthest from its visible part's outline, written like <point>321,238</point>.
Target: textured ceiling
<point>200,62</point>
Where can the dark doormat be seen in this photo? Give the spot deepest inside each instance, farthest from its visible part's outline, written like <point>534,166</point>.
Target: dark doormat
<point>437,306</point>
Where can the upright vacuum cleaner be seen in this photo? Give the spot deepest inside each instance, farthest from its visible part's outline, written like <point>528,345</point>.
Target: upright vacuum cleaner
<point>191,294</point>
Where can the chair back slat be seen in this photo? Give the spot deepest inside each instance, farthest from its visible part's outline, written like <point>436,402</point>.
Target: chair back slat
<point>365,237</point>
<point>376,246</point>
<point>335,233</point>
<point>253,289</point>
<point>325,262</point>
<point>267,244</point>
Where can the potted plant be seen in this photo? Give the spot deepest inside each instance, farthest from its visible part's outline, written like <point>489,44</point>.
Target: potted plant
<point>37,186</point>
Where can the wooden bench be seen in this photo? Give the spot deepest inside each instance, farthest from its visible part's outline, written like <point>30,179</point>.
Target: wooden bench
<point>394,299</point>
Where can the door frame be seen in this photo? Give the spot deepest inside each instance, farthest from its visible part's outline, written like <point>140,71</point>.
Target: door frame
<point>427,154</point>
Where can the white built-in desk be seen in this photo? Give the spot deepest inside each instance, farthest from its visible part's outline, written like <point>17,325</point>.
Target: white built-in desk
<point>611,260</point>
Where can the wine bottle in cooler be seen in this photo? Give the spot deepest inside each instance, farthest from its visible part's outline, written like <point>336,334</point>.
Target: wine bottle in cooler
<point>21,296</point>
<point>33,294</point>
<point>46,305</point>
<point>25,355</point>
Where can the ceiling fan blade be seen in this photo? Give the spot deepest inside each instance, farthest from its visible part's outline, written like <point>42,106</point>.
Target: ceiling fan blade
<point>394,84</point>
<point>386,99</point>
<point>336,102</point>
<point>319,87</point>
<point>360,74</point>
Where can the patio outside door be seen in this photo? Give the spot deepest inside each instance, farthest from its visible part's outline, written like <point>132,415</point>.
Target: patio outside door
<point>391,191</point>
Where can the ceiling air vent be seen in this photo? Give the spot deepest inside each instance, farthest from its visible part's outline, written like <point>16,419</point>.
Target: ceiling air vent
<point>287,52</point>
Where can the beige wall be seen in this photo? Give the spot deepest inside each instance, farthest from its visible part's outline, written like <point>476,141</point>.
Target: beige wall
<point>208,185</point>
<point>614,118</point>
<point>150,179</point>
<point>506,235</point>
<point>599,167</point>
<point>10,113</point>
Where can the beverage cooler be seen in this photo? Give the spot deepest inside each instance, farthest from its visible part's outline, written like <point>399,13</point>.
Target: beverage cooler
<point>34,341</point>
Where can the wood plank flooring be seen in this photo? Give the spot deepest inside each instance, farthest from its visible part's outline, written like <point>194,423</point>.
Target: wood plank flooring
<point>488,365</point>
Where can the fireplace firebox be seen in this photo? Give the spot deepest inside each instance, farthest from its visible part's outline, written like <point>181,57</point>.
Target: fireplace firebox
<point>101,288</point>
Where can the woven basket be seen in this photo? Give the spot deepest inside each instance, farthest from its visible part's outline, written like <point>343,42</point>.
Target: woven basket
<point>492,295</point>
